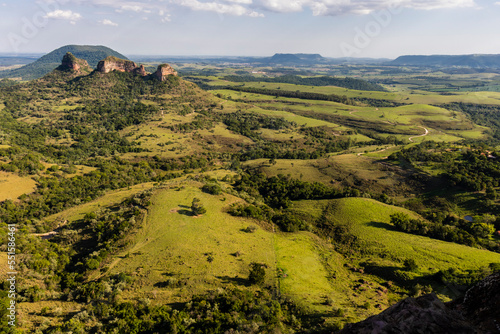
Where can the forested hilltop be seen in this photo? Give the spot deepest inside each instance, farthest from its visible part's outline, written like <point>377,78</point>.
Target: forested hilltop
<point>40,67</point>
<point>145,204</point>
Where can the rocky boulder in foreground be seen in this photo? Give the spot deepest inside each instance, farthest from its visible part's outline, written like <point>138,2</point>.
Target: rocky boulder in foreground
<point>478,312</point>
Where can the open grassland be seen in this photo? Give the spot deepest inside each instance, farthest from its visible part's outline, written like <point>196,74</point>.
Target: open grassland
<point>304,170</point>
<point>403,121</point>
<point>317,278</point>
<point>370,221</point>
<point>157,139</point>
<point>340,170</point>
<point>12,186</point>
<point>176,254</point>
<point>275,112</point>
<point>3,268</point>
<point>113,197</point>
<point>413,96</point>
<point>29,315</point>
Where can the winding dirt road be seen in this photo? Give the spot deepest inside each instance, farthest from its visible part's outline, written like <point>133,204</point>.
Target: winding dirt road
<point>425,134</point>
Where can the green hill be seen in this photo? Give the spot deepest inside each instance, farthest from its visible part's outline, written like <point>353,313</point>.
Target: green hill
<point>152,206</point>
<point>91,53</point>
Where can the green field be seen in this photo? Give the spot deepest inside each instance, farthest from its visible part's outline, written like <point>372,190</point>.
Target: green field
<point>298,186</point>
<point>443,125</point>
<point>176,246</point>
<point>370,221</point>
<point>12,186</point>
<point>417,97</point>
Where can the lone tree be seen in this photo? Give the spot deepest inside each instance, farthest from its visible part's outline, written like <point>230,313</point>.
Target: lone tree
<point>257,273</point>
<point>197,208</point>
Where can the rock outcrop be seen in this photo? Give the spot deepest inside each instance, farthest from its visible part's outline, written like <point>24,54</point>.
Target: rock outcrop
<point>478,312</point>
<point>426,314</point>
<point>481,305</point>
<point>163,71</point>
<point>72,64</point>
<point>116,64</point>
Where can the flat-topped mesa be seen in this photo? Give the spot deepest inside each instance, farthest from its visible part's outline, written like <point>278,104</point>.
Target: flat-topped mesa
<point>73,64</point>
<point>163,71</point>
<point>116,64</point>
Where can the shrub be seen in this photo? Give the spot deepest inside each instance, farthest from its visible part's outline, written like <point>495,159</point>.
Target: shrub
<point>257,273</point>
<point>250,229</point>
<point>197,208</point>
<point>212,188</point>
<point>410,265</point>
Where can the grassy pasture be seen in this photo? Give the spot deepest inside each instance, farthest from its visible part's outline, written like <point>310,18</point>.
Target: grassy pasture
<point>341,170</point>
<point>443,125</point>
<point>12,185</point>
<point>370,219</point>
<point>175,255</point>
<point>418,97</point>
<point>196,253</point>
<point>317,278</point>
<point>78,212</point>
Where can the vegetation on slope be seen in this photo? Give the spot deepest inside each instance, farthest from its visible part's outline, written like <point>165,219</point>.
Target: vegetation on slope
<point>92,54</point>
<point>350,83</point>
<point>217,245</point>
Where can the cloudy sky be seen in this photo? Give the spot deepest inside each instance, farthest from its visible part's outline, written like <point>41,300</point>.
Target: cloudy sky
<point>333,28</point>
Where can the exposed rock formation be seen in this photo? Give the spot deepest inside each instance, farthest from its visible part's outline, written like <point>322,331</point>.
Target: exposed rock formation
<point>426,314</point>
<point>116,64</point>
<point>141,71</point>
<point>163,71</point>
<point>72,64</point>
<point>481,305</point>
<point>478,312</point>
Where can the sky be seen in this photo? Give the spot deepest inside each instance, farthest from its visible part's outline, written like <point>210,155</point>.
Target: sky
<point>332,28</point>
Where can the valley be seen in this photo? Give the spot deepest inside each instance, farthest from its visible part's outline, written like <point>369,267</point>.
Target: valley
<point>224,198</point>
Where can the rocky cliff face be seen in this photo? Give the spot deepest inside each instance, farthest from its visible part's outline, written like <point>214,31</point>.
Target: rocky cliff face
<point>478,313</point>
<point>481,305</point>
<point>116,64</point>
<point>163,71</point>
<point>72,64</point>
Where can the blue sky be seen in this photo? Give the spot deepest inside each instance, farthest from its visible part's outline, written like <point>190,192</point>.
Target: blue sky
<point>333,28</point>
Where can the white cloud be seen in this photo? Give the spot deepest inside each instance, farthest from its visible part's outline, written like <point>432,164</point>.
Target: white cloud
<point>361,7</point>
<point>234,8</point>
<point>107,22</point>
<point>283,6</point>
<point>256,8</point>
<point>243,2</point>
<point>67,15</point>
<point>134,8</point>
<point>151,7</point>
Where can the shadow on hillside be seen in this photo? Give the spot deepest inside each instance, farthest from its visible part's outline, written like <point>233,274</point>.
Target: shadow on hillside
<point>235,280</point>
<point>185,212</point>
<point>386,226</point>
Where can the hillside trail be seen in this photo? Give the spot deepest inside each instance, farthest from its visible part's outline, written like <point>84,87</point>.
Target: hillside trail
<point>379,151</point>
<point>425,134</point>
<point>355,111</point>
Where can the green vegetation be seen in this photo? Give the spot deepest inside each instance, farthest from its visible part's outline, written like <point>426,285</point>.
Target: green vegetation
<point>197,208</point>
<point>281,203</point>
<point>350,83</point>
<point>257,273</point>
<point>47,63</point>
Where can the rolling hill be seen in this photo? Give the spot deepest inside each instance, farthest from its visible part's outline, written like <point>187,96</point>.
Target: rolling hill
<point>145,204</point>
<point>92,54</point>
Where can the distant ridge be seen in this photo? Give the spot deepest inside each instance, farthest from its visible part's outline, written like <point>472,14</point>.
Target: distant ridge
<point>294,59</point>
<point>91,53</point>
<point>473,61</point>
